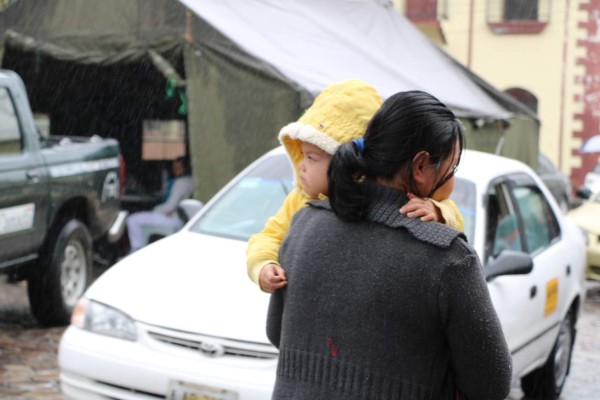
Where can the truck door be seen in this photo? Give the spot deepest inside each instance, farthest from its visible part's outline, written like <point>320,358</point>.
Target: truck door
<point>23,180</point>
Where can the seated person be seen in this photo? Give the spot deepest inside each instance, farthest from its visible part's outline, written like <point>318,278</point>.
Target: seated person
<point>164,215</point>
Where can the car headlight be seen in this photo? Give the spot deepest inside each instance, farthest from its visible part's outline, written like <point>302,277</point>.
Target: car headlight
<point>102,319</point>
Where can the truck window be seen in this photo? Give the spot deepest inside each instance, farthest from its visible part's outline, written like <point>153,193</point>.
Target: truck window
<point>10,134</point>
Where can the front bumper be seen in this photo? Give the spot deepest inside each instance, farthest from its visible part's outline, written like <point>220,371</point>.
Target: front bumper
<point>99,367</point>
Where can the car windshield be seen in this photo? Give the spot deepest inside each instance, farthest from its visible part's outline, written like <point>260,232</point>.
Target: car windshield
<point>464,197</point>
<point>245,207</point>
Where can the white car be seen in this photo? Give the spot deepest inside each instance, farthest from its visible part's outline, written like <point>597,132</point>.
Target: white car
<point>592,180</point>
<point>180,317</point>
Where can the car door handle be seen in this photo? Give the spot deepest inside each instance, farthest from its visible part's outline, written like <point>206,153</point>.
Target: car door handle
<point>532,292</point>
<point>568,270</point>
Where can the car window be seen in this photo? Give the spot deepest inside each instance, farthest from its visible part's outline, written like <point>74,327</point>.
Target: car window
<point>539,222</point>
<point>518,218</point>
<point>502,229</point>
<point>10,134</point>
<point>464,197</point>
<point>243,210</point>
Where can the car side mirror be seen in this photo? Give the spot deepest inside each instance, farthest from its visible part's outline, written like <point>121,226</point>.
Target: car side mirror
<point>508,262</point>
<point>583,193</point>
<point>187,208</point>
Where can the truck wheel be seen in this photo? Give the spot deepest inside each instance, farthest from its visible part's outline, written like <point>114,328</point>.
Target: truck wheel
<point>63,275</point>
<point>547,381</point>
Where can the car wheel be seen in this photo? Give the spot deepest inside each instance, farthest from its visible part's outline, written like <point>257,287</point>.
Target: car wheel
<point>547,381</point>
<point>62,276</point>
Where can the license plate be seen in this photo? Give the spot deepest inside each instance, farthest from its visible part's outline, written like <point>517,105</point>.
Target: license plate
<point>190,391</point>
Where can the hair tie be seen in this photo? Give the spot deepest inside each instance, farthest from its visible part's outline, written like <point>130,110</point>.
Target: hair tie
<point>360,145</point>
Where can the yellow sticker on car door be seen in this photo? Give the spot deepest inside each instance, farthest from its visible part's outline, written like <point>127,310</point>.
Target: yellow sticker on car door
<point>551,296</point>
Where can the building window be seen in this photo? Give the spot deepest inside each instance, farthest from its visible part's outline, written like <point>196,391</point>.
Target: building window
<point>518,16</point>
<point>520,10</point>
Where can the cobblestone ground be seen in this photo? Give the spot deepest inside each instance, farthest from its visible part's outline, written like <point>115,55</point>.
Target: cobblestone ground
<point>28,365</point>
<point>583,382</point>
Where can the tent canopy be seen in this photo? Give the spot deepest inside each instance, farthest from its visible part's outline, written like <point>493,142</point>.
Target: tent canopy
<point>245,68</point>
<point>99,32</point>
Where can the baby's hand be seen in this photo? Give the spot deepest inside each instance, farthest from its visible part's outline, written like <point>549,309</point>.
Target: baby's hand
<point>423,208</point>
<point>272,277</point>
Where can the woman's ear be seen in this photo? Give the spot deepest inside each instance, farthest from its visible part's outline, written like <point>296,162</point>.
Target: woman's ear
<point>421,173</point>
<point>419,163</point>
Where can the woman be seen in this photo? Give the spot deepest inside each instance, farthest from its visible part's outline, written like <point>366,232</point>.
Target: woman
<point>379,305</point>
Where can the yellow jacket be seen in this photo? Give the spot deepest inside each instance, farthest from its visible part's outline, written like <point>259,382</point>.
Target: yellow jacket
<point>451,214</point>
<point>263,247</point>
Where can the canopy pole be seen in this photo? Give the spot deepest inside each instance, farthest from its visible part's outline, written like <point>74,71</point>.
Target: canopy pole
<point>166,68</point>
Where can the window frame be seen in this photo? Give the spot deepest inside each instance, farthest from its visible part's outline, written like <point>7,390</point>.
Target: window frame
<point>498,22</point>
<point>19,139</point>
<point>523,180</point>
<point>506,185</point>
<point>501,186</point>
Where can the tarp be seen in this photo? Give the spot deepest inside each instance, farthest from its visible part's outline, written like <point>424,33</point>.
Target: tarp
<point>88,31</point>
<point>243,69</point>
<point>316,42</point>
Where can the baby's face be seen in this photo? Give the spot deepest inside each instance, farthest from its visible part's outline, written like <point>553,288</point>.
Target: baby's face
<point>313,170</point>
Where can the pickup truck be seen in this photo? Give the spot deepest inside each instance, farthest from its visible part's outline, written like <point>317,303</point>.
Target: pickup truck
<point>57,196</point>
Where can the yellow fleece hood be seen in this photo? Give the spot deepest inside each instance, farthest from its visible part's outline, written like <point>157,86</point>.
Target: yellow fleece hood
<point>339,114</point>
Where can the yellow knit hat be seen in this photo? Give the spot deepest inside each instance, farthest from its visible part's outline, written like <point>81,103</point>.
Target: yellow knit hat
<point>339,114</point>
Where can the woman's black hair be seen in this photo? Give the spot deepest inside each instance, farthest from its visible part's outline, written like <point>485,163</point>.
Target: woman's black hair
<point>407,123</point>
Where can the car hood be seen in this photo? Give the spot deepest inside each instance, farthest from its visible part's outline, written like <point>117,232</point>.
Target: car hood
<point>188,282</point>
<point>587,216</point>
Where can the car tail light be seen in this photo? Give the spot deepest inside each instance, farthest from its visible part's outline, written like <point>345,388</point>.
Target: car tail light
<point>122,174</point>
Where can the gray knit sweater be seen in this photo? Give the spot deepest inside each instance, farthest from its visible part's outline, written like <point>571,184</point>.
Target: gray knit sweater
<point>386,308</point>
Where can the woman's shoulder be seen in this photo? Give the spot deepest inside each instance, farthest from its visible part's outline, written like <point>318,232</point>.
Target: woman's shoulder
<point>320,204</point>
<point>317,208</point>
<point>433,233</point>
